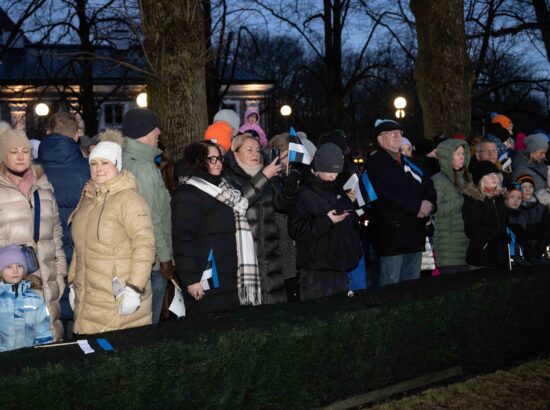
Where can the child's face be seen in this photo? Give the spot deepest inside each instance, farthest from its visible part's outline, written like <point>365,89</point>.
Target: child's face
<point>513,199</point>
<point>13,274</point>
<point>252,118</point>
<point>527,191</point>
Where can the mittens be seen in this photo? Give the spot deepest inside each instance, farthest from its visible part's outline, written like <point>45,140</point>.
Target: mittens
<point>130,301</point>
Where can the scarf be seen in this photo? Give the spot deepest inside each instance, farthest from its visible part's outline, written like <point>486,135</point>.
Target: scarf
<point>249,170</point>
<point>248,277</point>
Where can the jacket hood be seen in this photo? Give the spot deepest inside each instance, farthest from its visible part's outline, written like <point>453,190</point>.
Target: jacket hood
<point>139,150</point>
<point>445,151</point>
<point>59,149</point>
<point>251,111</point>
<point>124,180</point>
<point>474,193</point>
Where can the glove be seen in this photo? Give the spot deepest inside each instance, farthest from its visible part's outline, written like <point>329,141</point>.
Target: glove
<point>167,270</point>
<point>292,182</point>
<point>60,279</point>
<point>130,302</point>
<point>71,297</point>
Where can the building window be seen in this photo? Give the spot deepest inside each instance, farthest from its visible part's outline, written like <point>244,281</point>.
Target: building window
<point>113,114</point>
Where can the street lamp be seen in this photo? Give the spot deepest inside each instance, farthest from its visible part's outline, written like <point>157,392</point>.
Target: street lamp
<point>400,103</point>
<point>141,100</point>
<point>286,110</point>
<point>42,109</point>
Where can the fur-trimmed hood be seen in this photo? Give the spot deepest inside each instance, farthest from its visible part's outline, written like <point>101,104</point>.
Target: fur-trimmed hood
<point>473,192</point>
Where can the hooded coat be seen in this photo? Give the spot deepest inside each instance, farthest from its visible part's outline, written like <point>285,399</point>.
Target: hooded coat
<point>247,126</point>
<point>68,171</point>
<point>485,221</point>
<point>113,236</point>
<point>450,241</point>
<point>24,319</point>
<point>17,227</point>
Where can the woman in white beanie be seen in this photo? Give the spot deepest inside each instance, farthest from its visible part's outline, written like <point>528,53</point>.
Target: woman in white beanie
<point>114,247</point>
<point>29,215</point>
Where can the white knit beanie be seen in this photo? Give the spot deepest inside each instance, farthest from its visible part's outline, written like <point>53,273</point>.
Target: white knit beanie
<point>108,150</point>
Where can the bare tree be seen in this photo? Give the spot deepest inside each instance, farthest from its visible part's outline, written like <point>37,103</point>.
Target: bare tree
<point>176,56</point>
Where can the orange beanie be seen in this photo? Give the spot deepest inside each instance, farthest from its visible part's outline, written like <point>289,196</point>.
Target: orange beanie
<point>220,133</point>
<point>502,120</point>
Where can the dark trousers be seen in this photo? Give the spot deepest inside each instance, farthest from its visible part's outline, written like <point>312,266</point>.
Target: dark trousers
<point>317,284</point>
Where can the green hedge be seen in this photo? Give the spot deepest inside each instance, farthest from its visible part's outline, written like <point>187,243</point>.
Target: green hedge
<point>296,356</point>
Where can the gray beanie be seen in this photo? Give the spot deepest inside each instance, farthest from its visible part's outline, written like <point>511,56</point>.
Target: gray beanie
<point>230,117</point>
<point>534,142</point>
<point>328,158</point>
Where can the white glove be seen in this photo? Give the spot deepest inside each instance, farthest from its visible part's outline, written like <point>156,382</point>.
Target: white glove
<point>60,279</point>
<point>71,297</point>
<point>130,302</point>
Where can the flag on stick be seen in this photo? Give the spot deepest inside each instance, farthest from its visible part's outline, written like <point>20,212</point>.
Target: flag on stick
<point>297,152</point>
<point>209,279</point>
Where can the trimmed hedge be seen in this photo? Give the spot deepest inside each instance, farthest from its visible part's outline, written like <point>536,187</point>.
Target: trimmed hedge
<point>296,356</point>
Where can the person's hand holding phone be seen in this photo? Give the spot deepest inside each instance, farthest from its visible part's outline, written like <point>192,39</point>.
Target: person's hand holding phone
<point>272,169</point>
<point>336,217</point>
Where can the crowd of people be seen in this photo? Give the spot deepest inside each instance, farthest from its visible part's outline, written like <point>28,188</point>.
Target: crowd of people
<point>95,233</point>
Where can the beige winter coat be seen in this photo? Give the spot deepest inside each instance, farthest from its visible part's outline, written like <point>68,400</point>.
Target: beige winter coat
<point>113,236</point>
<point>17,227</point>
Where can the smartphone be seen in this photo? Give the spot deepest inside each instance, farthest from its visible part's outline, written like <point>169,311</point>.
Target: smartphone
<point>274,153</point>
<point>345,211</point>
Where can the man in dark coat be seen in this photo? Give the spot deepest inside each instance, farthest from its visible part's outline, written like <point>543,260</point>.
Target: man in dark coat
<point>406,198</point>
<point>325,227</point>
<point>68,171</point>
<point>66,168</point>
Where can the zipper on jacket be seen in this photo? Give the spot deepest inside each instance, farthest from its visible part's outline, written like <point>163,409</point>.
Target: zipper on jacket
<point>100,213</point>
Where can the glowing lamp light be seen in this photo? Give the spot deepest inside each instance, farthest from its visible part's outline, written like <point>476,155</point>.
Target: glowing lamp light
<point>286,110</point>
<point>42,109</point>
<point>141,100</point>
<point>400,103</point>
<point>400,113</point>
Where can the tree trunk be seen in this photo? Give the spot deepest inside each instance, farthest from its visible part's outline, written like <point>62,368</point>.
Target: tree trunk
<point>333,62</point>
<point>443,70</point>
<point>543,18</point>
<point>212,75</point>
<point>175,50</point>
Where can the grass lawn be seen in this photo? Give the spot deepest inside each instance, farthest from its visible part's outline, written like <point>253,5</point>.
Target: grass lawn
<point>524,387</point>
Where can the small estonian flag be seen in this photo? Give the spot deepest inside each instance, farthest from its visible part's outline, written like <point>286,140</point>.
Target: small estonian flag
<point>209,279</point>
<point>297,152</point>
<point>412,169</point>
<point>365,194</point>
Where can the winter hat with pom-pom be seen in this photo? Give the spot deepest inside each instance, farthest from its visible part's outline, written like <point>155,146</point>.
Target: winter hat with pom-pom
<point>109,148</point>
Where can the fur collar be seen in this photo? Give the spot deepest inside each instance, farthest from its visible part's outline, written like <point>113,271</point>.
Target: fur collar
<point>474,193</point>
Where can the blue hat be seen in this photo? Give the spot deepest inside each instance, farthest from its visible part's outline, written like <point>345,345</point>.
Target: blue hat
<point>382,125</point>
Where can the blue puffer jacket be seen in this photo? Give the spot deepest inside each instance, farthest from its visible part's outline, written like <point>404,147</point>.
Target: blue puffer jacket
<point>68,171</point>
<point>24,319</point>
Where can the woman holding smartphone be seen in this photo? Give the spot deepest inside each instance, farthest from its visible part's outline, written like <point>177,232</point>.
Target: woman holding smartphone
<point>114,247</point>
<point>245,169</point>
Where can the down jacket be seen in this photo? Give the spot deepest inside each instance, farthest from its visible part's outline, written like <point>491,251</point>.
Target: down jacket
<point>263,202</point>
<point>17,227</point>
<point>24,319</point>
<point>450,241</point>
<point>113,236</point>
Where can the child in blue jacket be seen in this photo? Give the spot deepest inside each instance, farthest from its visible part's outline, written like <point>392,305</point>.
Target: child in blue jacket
<point>24,317</point>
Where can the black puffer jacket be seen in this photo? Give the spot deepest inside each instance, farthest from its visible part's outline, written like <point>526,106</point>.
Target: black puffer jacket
<point>263,201</point>
<point>322,245</point>
<point>201,223</point>
<point>485,222</point>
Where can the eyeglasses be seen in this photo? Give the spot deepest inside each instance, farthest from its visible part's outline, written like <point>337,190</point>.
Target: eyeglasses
<point>490,151</point>
<point>213,159</point>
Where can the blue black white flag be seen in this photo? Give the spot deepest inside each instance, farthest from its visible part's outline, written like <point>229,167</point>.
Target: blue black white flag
<point>209,279</point>
<point>297,152</point>
<point>412,169</point>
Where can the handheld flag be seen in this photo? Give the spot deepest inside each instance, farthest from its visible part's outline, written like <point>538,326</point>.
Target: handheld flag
<point>209,279</point>
<point>412,169</point>
<point>297,152</point>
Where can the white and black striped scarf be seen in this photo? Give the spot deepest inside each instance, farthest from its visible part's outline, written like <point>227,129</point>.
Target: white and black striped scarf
<point>248,277</point>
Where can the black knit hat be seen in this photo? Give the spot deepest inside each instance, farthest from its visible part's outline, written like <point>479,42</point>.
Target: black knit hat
<point>386,125</point>
<point>328,158</point>
<point>138,122</point>
<point>484,168</point>
<point>496,130</point>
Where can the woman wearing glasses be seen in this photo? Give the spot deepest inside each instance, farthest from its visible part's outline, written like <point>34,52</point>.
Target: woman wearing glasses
<point>209,227</point>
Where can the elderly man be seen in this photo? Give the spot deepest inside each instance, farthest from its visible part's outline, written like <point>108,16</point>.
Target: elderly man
<point>488,151</point>
<point>406,199</point>
<point>140,127</point>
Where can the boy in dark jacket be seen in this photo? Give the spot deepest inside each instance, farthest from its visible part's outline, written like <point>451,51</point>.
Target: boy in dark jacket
<point>324,226</point>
